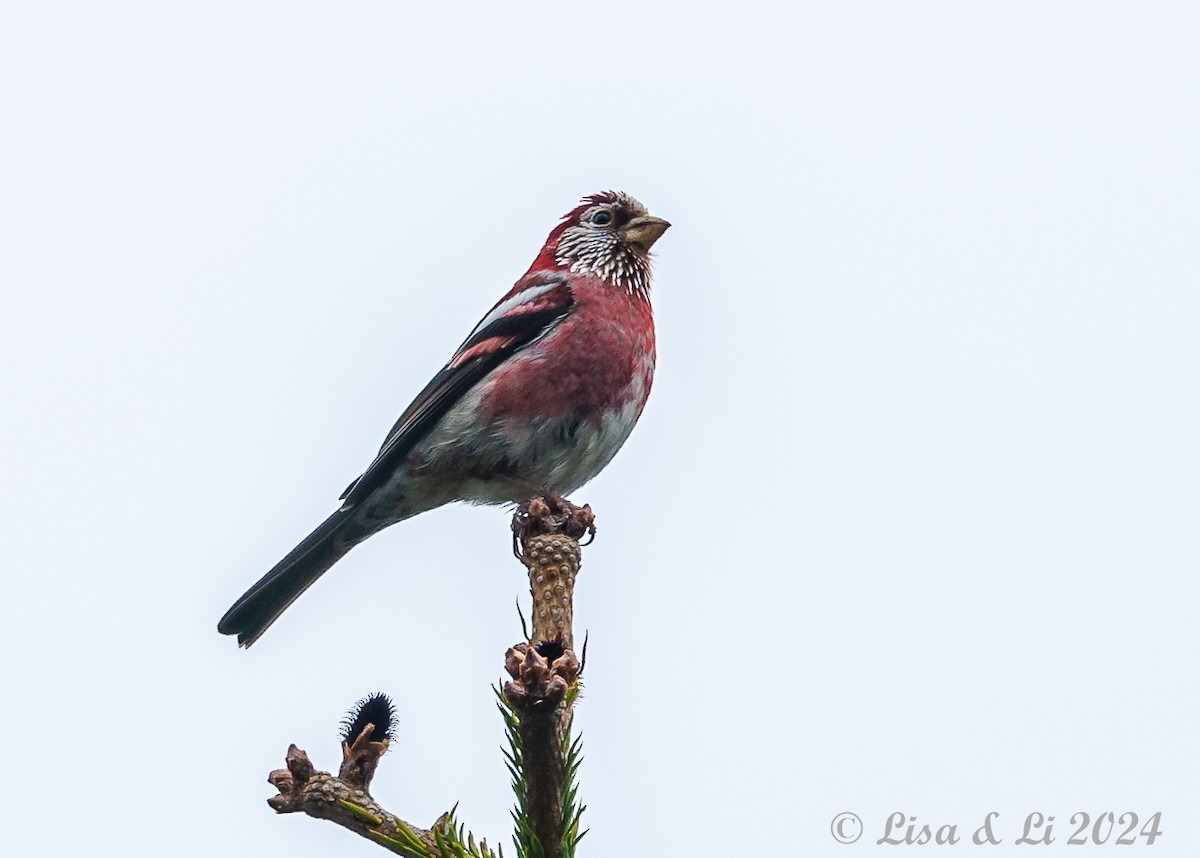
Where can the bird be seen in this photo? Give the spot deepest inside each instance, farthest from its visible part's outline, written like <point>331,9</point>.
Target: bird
<point>537,400</point>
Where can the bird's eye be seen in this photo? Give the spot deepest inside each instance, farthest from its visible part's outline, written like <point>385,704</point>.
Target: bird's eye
<point>602,218</point>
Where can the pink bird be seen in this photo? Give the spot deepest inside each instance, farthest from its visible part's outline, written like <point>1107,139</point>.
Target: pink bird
<point>537,399</point>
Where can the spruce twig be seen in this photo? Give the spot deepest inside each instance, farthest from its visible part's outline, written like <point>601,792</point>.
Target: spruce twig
<point>537,704</point>
<point>545,682</point>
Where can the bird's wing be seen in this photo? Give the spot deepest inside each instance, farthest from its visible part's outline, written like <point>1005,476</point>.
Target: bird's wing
<point>533,308</point>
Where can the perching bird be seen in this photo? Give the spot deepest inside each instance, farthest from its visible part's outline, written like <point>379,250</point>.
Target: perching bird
<point>538,399</point>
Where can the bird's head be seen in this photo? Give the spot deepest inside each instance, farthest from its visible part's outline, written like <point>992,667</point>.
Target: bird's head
<point>608,235</point>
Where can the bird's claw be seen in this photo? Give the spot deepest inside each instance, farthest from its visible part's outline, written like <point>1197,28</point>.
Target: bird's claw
<point>551,513</point>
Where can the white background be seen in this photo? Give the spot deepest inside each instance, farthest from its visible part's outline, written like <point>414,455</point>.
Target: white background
<point>910,522</point>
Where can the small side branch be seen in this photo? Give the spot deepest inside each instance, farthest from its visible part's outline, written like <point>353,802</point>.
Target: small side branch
<point>302,789</point>
<point>346,798</point>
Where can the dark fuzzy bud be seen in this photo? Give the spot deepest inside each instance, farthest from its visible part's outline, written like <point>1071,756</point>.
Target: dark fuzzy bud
<point>376,710</point>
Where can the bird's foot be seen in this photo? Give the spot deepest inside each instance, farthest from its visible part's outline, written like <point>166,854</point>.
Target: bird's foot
<point>551,513</point>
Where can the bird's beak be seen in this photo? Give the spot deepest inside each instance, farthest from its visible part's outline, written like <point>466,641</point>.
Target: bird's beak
<point>644,231</point>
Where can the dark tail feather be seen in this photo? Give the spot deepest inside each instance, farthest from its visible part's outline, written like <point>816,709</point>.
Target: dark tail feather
<point>262,604</point>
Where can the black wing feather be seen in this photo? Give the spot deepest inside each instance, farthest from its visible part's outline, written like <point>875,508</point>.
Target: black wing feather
<point>514,330</point>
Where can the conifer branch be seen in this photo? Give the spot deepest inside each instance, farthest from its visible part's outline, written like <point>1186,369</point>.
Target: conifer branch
<point>545,681</point>
<point>346,800</point>
<point>537,705</point>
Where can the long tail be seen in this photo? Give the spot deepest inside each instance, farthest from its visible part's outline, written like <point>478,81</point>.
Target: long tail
<point>262,604</point>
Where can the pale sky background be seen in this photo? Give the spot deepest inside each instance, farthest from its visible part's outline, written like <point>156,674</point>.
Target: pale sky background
<point>910,522</point>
